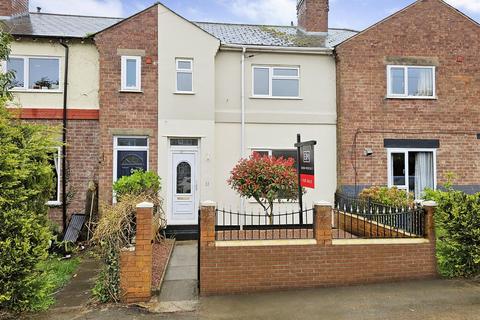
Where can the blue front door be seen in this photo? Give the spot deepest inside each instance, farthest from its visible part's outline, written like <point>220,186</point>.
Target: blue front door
<point>129,161</point>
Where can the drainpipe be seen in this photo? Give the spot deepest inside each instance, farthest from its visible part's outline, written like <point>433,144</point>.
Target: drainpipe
<point>64,139</point>
<point>242,138</point>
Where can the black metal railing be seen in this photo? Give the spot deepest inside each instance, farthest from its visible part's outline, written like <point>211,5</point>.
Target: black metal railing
<point>359,218</point>
<point>231,225</point>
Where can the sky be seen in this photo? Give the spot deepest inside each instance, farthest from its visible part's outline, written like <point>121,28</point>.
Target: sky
<point>352,14</point>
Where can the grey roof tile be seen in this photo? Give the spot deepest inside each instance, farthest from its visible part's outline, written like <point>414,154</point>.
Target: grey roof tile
<point>281,36</point>
<point>57,25</point>
<point>72,26</point>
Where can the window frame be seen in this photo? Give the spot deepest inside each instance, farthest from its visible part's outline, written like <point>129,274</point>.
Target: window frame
<point>117,148</point>
<point>406,151</point>
<point>58,201</point>
<point>406,95</point>
<point>26,73</point>
<point>138,64</point>
<point>179,70</point>
<point>272,77</point>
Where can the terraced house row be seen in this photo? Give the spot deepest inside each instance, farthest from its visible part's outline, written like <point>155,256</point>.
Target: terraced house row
<point>396,104</point>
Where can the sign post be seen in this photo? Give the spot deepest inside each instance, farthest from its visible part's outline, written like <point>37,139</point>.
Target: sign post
<point>305,168</point>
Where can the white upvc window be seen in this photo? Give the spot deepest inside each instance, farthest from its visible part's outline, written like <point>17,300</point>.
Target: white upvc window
<point>412,170</point>
<point>34,73</point>
<point>55,199</point>
<point>131,73</point>
<point>411,82</point>
<point>184,75</point>
<point>276,82</point>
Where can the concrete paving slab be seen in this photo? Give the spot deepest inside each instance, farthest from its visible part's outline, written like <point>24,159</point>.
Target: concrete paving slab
<point>179,290</point>
<point>181,273</point>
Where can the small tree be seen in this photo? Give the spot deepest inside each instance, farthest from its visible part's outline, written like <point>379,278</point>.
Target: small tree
<point>265,179</point>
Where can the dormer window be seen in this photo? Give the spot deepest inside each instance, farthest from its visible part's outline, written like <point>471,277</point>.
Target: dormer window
<point>411,82</point>
<point>131,73</point>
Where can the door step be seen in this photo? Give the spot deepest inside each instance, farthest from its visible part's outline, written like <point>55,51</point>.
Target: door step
<point>185,232</point>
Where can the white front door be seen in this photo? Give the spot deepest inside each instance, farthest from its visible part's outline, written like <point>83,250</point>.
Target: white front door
<point>184,188</point>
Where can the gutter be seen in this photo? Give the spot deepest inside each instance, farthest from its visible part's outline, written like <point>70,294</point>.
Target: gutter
<point>277,49</point>
<point>64,138</point>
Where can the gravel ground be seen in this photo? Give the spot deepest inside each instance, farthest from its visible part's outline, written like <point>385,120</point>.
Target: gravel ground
<point>161,253</point>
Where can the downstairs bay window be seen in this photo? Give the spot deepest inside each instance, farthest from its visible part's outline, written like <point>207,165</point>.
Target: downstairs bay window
<point>54,161</point>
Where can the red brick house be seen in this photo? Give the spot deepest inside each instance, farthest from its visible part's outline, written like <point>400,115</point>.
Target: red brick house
<point>408,95</point>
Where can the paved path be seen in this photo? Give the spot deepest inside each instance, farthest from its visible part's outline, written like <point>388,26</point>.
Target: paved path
<point>179,288</point>
<point>422,300</point>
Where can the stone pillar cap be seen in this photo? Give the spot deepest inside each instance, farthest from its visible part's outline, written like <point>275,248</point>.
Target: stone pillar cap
<point>144,205</point>
<point>322,203</point>
<point>429,204</point>
<point>209,203</point>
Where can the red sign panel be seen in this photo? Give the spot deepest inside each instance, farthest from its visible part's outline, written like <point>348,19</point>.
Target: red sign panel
<point>307,181</point>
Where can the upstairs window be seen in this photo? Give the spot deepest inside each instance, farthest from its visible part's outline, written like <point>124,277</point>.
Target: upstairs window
<point>276,82</point>
<point>184,79</point>
<point>415,82</point>
<point>34,73</point>
<point>131,73</point>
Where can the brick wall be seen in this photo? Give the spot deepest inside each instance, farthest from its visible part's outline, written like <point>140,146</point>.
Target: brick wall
<point>431,32</point>
<point>247,269</point>
<point>124,113</point>
<point>136,265</point>
<point>13,7</point>
<point>82,162</point>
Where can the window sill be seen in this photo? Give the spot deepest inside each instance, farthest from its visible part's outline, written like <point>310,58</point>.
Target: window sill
<point>54,203</point>
<point>410,98</point>
<point>276,98</point>
<point>35,91</point>
<point>188,93</point>
<point>130,91</point>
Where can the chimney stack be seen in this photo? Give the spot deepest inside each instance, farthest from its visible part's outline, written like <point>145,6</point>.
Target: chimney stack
<point>14,8</point>
<point>313,15</point>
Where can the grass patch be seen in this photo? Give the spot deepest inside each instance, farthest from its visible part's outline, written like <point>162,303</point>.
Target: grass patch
<point>57,273</point>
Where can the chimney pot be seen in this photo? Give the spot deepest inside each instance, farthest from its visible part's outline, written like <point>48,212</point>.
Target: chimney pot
<point>313,15</point>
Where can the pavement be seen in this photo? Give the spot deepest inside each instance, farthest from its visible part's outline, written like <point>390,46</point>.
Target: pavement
<point>179,291</point>
<point>426,299</point>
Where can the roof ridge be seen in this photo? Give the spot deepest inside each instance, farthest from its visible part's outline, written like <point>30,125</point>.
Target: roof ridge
<point>246,24</point>
<point>264,25</point>
<point>74,15</point>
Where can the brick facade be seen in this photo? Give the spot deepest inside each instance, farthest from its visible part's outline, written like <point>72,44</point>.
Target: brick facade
<point>127,113</point>
<point>428,32</point>
<point>248,269</point>
<point>13,7</point>
<point>313,15</point>
<point>82,163</point>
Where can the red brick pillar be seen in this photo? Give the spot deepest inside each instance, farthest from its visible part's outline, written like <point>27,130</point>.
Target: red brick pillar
<point>322,223</point>
<point>429,207</point>
<point>136,263</point>
<point>207,224</point>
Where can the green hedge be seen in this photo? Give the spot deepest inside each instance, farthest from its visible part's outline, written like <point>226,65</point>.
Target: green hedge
<point>388,196</point>
<point>457,220</point>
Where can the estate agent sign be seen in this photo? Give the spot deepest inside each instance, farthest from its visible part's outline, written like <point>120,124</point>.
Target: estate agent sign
<point>305,168</point>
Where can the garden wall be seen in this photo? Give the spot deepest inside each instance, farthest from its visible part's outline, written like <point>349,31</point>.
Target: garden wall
<point>136,262</point>
<point>231,267</point>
